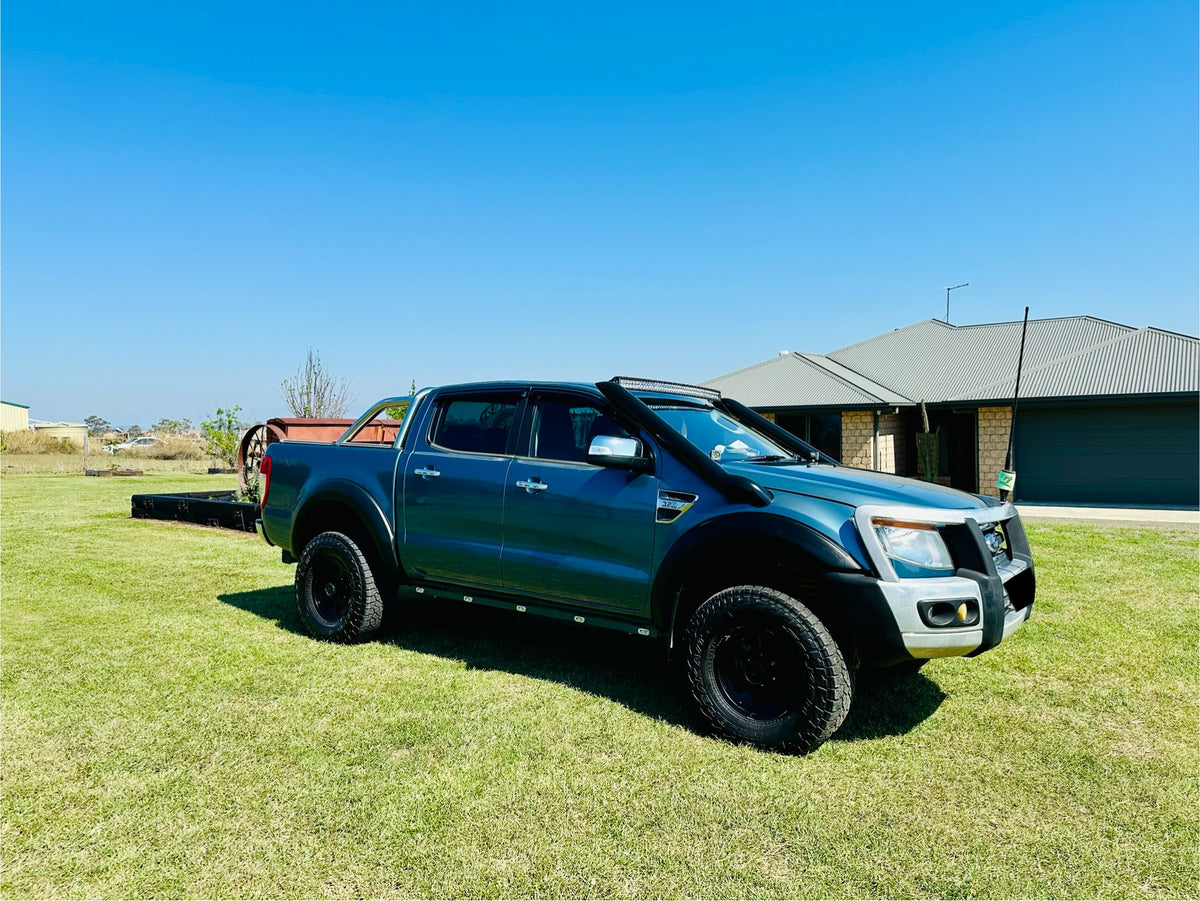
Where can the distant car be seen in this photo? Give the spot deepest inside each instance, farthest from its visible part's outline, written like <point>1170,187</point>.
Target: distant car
<point>131,444</point>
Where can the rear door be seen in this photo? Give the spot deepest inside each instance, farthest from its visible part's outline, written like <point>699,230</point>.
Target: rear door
<point>453,488</point>
<point>574,531</point>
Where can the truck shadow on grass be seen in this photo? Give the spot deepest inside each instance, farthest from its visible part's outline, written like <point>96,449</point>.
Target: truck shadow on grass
<point>629,670</point>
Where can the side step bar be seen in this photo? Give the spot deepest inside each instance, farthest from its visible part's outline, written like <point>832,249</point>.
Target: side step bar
<point>532,608</point>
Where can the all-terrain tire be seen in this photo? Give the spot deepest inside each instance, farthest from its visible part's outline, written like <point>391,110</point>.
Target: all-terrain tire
<point>336,591</point>
<point>764,669</point>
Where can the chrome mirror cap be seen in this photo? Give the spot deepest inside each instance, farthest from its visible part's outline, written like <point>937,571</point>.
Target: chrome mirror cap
<point>611,449</point>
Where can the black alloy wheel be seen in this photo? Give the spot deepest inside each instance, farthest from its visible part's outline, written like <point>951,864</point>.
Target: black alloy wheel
<point>764,669</point>
<point>332,586</point>
<point>757,667</point>
<point>337,594</point>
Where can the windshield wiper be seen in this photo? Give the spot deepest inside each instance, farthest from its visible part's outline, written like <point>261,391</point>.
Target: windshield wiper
<point>771,458</point>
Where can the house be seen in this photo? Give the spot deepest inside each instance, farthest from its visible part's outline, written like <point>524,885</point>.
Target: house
<point>1108,413</point>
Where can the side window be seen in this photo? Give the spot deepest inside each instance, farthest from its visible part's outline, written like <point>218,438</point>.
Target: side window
<point>564,429</point>
<point>475,425</point>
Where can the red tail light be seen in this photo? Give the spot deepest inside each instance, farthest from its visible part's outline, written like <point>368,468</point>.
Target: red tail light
<point>264,473</point>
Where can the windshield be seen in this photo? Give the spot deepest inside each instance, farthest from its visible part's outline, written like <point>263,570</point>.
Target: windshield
<point>717,435</point>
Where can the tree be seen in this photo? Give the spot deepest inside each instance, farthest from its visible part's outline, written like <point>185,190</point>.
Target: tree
<point>315,392</point>
<point>171,426</point>
<point>96,425</point>
<point>398,411</point>
<point>222,434</point>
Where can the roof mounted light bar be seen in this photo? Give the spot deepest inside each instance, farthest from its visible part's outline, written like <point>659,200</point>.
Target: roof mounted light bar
<point>635,384</point>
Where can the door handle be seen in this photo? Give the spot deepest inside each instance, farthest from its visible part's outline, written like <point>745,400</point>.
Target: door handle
<point>532,487</point>
<point>426,473</point>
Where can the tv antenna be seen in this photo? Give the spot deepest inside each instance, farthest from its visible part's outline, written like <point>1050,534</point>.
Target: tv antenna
<point>948,290</point>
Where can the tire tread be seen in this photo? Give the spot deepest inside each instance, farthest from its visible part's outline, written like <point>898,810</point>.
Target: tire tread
<point>832,678</point>
<point>365,613</point>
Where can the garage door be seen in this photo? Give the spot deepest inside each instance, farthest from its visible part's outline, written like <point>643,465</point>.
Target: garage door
<point>1128,454</point>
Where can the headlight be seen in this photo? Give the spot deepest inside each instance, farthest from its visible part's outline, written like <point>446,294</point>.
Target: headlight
<point>918,548</point>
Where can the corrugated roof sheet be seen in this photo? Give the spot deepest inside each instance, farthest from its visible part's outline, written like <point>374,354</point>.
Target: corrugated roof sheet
<point>860,381</point>
<point>1078,356</point>
<point>934,361</point>
<point>801,380</point>
<point>1147,361</point>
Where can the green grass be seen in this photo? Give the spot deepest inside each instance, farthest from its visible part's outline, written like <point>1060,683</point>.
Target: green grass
<point>168,732</point>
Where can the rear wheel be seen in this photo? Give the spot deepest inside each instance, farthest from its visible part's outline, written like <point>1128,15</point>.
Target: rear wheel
<point>336,591</point>
<point>764,669</point>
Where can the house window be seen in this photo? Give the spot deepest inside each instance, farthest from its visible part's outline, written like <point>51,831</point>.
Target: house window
<point>822,430</point>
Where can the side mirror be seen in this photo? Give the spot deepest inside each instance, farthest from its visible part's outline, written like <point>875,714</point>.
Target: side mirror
<point>618,453</point>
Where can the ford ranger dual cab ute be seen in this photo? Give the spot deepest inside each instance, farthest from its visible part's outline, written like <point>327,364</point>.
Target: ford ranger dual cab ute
<point>658,509</point>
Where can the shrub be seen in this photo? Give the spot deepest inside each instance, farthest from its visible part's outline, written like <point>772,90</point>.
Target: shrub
<point>27,441</point>
<point>171,447</point>
<point>222,435</point>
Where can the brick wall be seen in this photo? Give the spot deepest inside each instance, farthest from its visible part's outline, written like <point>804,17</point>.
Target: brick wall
<point>891,443</point>
<point>994,424</point>
<point>858,428</point>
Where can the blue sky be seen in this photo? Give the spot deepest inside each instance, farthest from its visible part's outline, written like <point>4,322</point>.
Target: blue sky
<point>193,193</point>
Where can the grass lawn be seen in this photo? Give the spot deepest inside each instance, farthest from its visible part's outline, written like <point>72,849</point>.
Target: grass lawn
<point>167,731</point>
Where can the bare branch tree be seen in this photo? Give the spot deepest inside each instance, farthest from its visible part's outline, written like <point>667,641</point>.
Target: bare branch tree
<point>315,392</point>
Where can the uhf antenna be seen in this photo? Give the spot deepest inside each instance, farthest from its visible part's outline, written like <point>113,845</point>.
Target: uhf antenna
<point>1008,476</point>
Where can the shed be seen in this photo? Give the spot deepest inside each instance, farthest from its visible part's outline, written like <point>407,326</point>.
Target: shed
<point>13,417</point>
<point>75,432</point>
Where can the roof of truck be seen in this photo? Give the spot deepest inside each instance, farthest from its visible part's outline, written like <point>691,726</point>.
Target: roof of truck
<point>638,386</point>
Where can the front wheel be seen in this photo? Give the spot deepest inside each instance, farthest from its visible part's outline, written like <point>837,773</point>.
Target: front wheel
<point>336,592</point>
<point>764,669</point>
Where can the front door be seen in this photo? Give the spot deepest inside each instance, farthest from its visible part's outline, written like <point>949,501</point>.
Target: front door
<point>453,488</point>
<point>575,531</point>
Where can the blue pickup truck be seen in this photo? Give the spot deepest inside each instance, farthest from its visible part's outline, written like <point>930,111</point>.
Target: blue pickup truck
<point>658,509</point>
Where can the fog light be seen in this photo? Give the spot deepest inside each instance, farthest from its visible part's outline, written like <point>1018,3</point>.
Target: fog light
<point>949,612</point>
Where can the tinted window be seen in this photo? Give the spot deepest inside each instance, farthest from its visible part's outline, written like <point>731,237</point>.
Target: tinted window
<point>822,430</point>
<point>825,433</point>
<point>563,430</point>
<point>476,425</point>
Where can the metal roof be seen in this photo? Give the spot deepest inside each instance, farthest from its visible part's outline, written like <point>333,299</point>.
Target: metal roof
<point>1077,356</point>
<point>1146,361</point>
<point>804,380</point>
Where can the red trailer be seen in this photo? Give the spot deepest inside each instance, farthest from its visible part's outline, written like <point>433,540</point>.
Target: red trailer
<point>258,437</point>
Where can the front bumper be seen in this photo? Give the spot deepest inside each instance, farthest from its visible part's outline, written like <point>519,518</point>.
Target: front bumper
<point>1000,588</point>
<point>997,620</point>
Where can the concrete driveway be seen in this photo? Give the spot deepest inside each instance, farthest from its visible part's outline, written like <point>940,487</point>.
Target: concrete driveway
<point>1133,516</point>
